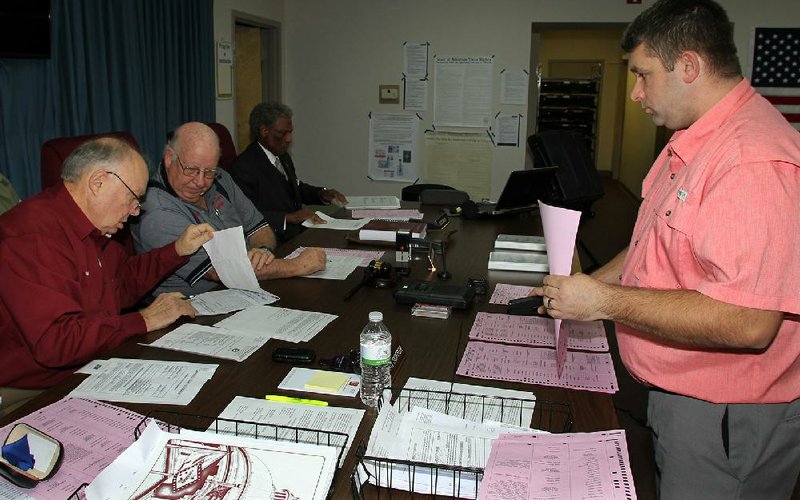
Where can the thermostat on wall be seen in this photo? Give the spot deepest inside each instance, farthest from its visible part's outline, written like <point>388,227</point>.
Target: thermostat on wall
<point>389,94</point>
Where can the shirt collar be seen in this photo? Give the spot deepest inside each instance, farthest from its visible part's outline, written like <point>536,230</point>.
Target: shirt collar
<point>272,156</point>
<point>688,142</point>
<point>73,216</point>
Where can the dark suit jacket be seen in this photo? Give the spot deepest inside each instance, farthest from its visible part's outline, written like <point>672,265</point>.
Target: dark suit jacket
<point>273,194</point>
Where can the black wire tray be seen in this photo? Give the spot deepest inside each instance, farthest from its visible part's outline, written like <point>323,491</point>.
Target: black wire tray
<point>440,480</point>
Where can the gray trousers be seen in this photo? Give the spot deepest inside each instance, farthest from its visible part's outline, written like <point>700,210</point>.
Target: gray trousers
<point>726,451</point>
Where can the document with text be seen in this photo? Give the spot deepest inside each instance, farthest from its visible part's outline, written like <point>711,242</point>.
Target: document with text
<point>93,435</point>
<point>228,254</point>
<point>538,330</point>
<point>145,381</point>
<point>211,341</point>
<point>569,466</point>
<point>227,301</point>
<point>278,323</point>
<point>323,418</point>
<point>537,365</point>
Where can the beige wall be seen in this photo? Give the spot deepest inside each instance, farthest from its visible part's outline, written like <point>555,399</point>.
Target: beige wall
<point>600,45</point>
<point>335,54</point>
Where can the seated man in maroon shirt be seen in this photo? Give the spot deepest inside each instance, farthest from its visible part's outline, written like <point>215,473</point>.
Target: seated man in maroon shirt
<point>63,282</point>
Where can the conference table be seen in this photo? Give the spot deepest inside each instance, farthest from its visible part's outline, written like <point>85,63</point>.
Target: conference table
<point>432,347</point>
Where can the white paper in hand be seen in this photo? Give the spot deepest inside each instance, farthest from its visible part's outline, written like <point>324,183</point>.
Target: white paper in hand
<point>229,257</point>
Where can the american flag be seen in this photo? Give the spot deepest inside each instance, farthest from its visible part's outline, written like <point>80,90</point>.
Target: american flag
<point>776,69</point>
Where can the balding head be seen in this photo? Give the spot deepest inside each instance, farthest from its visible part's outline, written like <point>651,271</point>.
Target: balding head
<point>106,177</point>
<point>191,160</point>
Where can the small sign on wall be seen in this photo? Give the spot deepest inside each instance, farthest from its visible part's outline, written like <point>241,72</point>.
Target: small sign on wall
<point>224,69</point>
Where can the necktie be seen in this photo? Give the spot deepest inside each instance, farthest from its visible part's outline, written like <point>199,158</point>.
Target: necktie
<point>279,166</point>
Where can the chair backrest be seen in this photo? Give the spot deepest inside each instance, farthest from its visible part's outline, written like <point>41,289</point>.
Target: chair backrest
<point>226,147</point>
<point>411,193</point>
<point>55,151</point>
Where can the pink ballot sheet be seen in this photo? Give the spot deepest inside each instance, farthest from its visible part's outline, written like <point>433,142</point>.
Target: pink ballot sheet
<point>536,330</point>
<point>535,365</point>
<point>504,293</point>
<point>560,227</point>
<point>567,466</point>
<point>366,255</point>
<point>93,435</point>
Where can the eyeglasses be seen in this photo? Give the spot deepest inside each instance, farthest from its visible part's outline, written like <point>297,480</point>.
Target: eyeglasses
<point>210,173</point>
<point>135,196</point>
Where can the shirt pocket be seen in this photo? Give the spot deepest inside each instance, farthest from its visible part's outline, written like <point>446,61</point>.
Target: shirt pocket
<point>666,254</point>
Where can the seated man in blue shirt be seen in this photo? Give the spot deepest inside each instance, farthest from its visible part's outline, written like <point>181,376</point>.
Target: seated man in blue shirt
<point>189,188</point>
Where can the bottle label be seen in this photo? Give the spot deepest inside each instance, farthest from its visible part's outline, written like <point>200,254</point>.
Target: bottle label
<point>375,355</point>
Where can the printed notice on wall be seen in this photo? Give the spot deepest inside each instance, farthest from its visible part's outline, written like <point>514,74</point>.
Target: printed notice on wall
<point>460,160</point>
<point>514,87</point>
<point>415,60</point>
<point>393,147</point>
<point>463,91</point>
<point>506,129</point>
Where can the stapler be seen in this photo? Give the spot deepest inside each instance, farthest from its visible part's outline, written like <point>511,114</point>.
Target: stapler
<point>525,306</point>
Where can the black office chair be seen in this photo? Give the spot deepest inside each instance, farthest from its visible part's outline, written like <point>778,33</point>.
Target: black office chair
<point>411,193</point>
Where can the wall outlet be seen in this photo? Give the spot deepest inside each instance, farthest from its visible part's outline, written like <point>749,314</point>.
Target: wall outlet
<point>389,94</point>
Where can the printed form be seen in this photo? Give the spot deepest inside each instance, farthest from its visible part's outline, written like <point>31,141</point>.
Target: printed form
<point>93,435</point>
<point>538,330</point>
<point>323,418</point>
<point>569,466</point>
<point>211,341</point>
<point>535,365</point>
<point>365,255</point>
<point>277,322</point>
<point>228,254</point>
<point>144,381</point>
<point>227,301</point>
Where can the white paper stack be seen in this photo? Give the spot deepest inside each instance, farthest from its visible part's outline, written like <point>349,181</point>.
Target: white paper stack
<point>519,261</point>
<point>520,242</point>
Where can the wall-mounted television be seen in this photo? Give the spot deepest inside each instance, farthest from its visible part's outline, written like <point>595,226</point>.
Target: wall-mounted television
<point>25,28</point>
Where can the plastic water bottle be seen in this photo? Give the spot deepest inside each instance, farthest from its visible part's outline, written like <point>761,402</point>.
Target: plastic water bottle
<point>376,359</point>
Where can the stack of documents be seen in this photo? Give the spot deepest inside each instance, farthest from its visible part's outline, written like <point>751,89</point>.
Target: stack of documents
<point>427,437</point>
<point>518,261</point>
<point>339,224</point>
<point>515,252</point>
<point>402,214</point>
<point>143,381</point>
<point>520,242</point>
<point>209,465</point>
<point>372,202</point>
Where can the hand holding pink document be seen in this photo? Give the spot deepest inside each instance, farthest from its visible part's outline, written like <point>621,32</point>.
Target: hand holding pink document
<point>560,228</point>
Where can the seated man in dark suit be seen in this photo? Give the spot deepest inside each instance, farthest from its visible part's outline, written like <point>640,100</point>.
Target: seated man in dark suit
<point>266,174</point>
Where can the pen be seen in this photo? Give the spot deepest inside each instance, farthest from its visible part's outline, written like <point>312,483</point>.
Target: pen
<point>289,399</point>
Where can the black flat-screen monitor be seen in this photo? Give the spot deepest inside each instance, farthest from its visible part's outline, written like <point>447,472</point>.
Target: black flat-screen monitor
<point>25,28</point>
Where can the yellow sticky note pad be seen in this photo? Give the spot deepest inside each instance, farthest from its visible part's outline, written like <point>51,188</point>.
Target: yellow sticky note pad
<point>327,381</point>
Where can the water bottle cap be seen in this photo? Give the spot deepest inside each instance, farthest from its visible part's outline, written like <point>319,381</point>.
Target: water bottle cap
<point>376,316</point>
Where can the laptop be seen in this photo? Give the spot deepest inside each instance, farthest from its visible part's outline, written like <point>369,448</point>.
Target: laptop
<point>522,192</point>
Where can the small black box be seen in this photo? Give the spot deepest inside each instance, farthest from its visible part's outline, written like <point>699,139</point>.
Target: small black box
<point>411,292</point>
